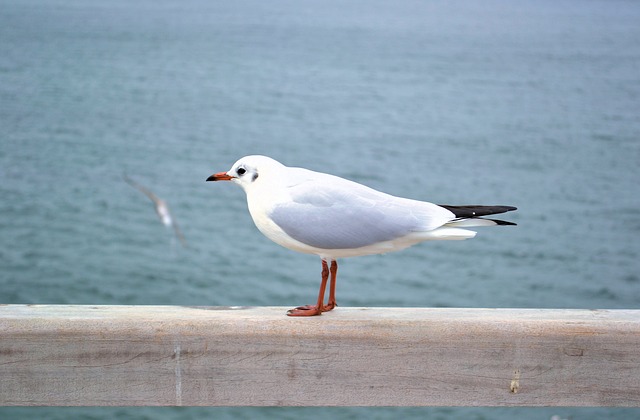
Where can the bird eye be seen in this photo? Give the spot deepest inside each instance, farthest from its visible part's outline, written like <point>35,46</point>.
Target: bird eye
<point>241,171</point>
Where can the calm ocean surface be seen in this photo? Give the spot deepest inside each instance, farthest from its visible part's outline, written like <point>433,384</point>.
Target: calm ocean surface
<point>534,104</point>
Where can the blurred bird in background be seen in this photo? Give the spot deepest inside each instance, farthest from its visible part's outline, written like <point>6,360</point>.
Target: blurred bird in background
<point>162,209</point>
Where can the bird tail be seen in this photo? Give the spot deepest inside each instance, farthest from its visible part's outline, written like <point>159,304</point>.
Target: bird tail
<point>466,217</point>
<point>447,233</point>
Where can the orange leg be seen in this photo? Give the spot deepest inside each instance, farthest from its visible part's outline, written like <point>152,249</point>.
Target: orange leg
<point>332,288</point>
<point>318,308</point>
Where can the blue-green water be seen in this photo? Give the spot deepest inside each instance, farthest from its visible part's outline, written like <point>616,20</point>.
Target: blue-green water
<point>534,104</point>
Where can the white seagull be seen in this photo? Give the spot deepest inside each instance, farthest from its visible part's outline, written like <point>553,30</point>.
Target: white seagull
<point>162,209</point>
<point>332,217</point>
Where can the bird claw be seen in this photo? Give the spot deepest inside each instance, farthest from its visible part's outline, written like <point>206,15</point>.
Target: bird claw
<point>328,307</point>
<point>310,310</point>
<point>306,310</point>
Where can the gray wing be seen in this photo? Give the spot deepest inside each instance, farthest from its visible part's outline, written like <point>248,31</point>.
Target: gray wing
<point>333,213</point>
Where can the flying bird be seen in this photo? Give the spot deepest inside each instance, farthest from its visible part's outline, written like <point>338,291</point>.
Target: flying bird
<point>332,217</point>
<point>161,207</point>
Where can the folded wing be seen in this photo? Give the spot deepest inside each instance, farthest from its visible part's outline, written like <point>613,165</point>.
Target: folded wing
<point>340,214</point>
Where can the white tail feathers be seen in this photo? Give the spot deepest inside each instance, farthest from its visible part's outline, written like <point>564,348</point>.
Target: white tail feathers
<point>452,231</point>
<point>474,222</point>
<point>449,234</point>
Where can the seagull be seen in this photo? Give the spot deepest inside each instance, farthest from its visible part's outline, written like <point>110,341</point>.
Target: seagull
<point>332,217</point>
<point>162,209</point>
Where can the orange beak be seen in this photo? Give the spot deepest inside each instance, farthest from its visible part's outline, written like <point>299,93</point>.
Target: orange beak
<point>220,176</point>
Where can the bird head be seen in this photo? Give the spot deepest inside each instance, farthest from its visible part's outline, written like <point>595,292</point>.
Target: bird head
<point>247,170</point>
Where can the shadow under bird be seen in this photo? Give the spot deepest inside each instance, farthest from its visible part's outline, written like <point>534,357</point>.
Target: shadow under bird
<point>161,207</point>
<point>332,217</point>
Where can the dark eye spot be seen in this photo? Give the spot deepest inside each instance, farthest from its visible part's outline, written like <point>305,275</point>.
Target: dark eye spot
<point>241,171</point>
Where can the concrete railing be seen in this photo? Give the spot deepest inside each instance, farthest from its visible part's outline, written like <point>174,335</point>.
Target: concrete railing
<point>155,355</point>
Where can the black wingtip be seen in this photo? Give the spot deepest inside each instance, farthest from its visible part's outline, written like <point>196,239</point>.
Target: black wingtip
<point>503,222</point>
<point>471,211</point>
